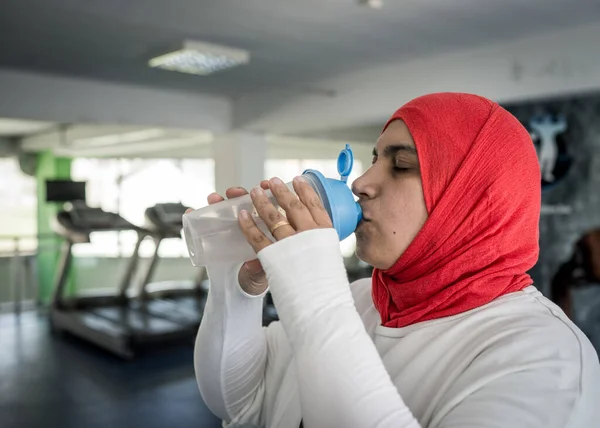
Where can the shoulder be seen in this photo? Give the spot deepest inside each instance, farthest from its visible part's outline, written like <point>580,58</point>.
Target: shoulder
<point>527,326</point>
<point>527,333</point>
<point>533,316</point>
<point>524,342</point>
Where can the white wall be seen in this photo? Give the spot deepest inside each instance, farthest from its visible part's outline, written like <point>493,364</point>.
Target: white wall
<point>26,95</point>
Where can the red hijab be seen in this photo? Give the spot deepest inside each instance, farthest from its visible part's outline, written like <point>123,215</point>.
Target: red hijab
<point>482,187</point>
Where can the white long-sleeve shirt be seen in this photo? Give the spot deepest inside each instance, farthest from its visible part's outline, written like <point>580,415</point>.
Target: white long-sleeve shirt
<point>515,362</point>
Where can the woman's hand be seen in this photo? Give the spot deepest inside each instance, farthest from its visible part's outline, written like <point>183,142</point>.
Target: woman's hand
<point>302,212</point>
<point>251,276</point>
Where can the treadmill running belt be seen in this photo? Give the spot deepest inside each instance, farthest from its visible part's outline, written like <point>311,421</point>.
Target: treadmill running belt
<point>191,303</point>
<point>98,323</point>
<point>137,320</point>
<point>173,311</point>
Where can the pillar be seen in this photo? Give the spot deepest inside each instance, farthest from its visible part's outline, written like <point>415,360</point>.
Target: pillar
<point>239,160</point>
<point>48,167</point>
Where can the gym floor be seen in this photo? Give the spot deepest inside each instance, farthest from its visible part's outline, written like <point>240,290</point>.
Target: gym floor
<point>48,381</point>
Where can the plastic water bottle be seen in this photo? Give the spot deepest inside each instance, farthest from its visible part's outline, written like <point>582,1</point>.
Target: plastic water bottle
<point>213,236</point>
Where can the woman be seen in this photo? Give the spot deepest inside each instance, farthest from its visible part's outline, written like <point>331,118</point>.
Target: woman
<point>449,332</point>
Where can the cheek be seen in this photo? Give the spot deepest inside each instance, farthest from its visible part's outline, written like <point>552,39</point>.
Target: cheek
<point>400,215</point>
<point>404,212</point>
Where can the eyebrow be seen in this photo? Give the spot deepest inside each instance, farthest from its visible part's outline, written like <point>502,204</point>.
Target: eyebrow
<point>391,150</point>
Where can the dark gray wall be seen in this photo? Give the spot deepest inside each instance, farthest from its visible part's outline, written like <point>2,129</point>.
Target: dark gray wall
<point>579,189</point>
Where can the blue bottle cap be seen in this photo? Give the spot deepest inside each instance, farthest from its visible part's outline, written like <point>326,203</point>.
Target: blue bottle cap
<point>345,163</point>
<point>337,197</point>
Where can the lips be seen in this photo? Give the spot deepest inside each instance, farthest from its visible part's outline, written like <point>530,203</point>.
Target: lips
<point>362,228</point>
<point>363,221</point>
<point>365,216</point>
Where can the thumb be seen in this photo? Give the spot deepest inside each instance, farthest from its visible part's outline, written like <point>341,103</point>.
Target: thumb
<point>253,267</point>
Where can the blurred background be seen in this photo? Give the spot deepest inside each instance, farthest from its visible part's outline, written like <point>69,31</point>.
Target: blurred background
<point>117,116</point>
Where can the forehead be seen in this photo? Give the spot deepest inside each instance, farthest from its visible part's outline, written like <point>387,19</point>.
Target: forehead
<point>396,133</point>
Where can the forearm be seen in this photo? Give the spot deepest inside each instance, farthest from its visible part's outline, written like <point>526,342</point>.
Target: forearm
<point>342,380</point>
<point>231,350</point>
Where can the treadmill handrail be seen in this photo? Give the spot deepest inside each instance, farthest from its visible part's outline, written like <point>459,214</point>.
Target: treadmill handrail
<point>72,221</point>
<point>165,220</point>
<point>76,232</point>
<point>162,230</point>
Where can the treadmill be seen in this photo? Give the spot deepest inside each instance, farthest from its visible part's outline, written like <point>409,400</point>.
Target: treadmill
<point>165,221</point>
<point>112,321</point>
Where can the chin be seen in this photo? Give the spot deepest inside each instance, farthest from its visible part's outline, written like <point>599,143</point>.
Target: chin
<point>370,257</point>
<point>360,255</point>
<point>363,253</point>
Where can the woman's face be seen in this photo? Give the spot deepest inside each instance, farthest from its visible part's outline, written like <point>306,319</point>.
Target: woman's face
<point>391,196</point>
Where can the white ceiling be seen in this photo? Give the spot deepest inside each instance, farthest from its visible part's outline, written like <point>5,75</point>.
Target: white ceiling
<point>319,68</point>
<point>18,127</point>
<point>92,140</point>
<point>293,44</point>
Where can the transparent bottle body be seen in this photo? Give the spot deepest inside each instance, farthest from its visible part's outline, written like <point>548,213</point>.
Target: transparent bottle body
<point>213,236</point>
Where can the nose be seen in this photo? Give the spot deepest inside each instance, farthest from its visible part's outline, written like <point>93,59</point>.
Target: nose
<point>364,186</point>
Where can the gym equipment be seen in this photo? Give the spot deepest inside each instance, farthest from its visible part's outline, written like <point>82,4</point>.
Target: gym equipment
<point>165,222</point>
<point>114,322</point>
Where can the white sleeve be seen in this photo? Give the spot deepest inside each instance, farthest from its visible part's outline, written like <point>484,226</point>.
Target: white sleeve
<point>231,350</point>
<point>342,380</point>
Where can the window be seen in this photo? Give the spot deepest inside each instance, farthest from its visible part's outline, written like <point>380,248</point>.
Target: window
<point>18,199</point>
<point>287,169</point>
<point>129,186</point>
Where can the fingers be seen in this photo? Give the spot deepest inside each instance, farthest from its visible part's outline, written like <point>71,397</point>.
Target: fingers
<point>297,213</point>
<point>271,215</point>
<point>257,240</point>
<point>311,200</point>
<point>213,198</point>
<point>232,192</point>
<point>235,192</point>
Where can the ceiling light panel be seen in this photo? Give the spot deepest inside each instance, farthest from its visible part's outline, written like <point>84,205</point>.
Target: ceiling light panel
<point>200,58</point>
